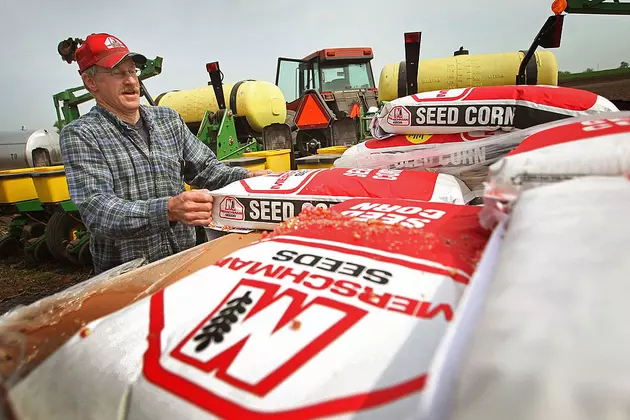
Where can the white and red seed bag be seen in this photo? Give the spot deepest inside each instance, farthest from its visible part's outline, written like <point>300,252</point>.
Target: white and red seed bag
<point>469,160</point>
<point>485,108</point>
<point>542,335</point>
<point>397,152</point>
<point>576,147</point>
<point>580,146</point>
<point>332,315</point>
<point>263,202</point>
<point>464,155</point>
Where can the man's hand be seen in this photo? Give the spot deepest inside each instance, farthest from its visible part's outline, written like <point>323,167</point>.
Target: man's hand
<point>191,207</point>
<point>259,172</point>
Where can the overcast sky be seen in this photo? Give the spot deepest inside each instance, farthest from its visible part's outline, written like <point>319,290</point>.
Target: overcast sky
<point>247,37</point>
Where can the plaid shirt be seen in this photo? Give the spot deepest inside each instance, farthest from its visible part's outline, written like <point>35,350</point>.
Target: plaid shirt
<point>121,185</point>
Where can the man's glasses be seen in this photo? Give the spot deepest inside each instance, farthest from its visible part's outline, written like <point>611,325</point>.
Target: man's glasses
<point>121,74</point>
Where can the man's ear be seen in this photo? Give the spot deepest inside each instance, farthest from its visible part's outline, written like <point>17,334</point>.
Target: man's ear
<point>89,82</point>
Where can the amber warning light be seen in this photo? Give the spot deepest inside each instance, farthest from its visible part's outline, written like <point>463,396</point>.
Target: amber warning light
<point>558,6</point>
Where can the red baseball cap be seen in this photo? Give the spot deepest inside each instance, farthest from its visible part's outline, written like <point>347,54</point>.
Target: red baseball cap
<point>104,50</point>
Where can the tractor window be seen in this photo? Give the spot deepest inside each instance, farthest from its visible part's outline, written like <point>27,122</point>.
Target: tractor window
<point>288,78</point>
<point>346,76</point>
<point>306,82</point>
<point>315,74</point>
<point>310,75</point>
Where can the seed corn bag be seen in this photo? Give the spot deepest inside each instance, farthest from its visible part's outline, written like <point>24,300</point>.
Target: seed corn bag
<point>485,108</point>
<point>263,202</point>
<point>336,314</point>
<point>542,334</point>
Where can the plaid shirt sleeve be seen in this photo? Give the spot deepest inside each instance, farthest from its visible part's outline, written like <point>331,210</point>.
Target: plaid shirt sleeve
<point>203,169</point>
<point>91,189</point>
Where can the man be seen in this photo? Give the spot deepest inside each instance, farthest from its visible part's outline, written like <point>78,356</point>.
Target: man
<point>126,164</point>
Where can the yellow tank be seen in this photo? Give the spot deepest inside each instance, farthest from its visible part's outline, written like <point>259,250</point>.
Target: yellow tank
<point>261,103</point>
<point>17,185</point>
<point>468,71</point>
<point>51,184</point>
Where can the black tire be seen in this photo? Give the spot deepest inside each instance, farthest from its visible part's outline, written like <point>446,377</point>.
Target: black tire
<point>290,120</point>
<point>42,253</point>
<point>9,246</point>
<point>58,234</point>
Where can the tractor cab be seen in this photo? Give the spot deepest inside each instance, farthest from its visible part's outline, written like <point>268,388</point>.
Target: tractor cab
<point>327,93</point>
<point>327,71</point>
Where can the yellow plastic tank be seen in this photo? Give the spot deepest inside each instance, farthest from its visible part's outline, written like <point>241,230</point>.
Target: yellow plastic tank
<point>261,103</point>
<point>16,185</point>
<point>467,71</point>
<point>51,184</point>
<point>276,160</point>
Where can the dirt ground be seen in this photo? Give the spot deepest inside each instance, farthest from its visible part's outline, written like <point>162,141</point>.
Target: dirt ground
<point>22,284</point>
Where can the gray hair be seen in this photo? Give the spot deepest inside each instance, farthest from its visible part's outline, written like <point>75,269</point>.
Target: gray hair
<point>91,71</point>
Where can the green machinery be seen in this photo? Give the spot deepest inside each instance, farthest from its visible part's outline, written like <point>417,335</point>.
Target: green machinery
<point>27,225</point>
<point>598,7</point>
<point>230,119</point>
<point>217,130</point>
<point>45,226</point>
<point>47,229</point>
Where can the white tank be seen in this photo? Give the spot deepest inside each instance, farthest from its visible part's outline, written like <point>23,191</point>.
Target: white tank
<point>28,148</point>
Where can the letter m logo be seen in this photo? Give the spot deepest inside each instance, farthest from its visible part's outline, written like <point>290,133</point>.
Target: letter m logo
<point>256,338</point>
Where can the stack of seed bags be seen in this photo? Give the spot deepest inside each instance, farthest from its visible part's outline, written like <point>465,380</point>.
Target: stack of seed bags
<point>463,131</point>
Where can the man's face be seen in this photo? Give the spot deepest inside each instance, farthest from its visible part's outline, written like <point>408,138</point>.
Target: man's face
<point>118,87</point>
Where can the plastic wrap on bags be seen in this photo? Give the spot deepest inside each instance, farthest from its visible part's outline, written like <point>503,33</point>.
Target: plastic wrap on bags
<point>549,341</point>
<point>583,146</point>
<point>15,360</point>
<point>368,152</point>
<point>485,108</point>
<point>264,202</point>
<point>575,147</point>
<point>468,161</point>
<point>329,316</point>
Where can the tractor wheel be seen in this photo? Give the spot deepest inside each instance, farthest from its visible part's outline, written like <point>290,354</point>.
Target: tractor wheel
<point>290,120</point>
<point>9,246</point>
<point>60,230</point>
<point>41,253</point>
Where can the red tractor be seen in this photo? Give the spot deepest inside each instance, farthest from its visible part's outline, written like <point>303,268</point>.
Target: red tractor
<point>329,94</point>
